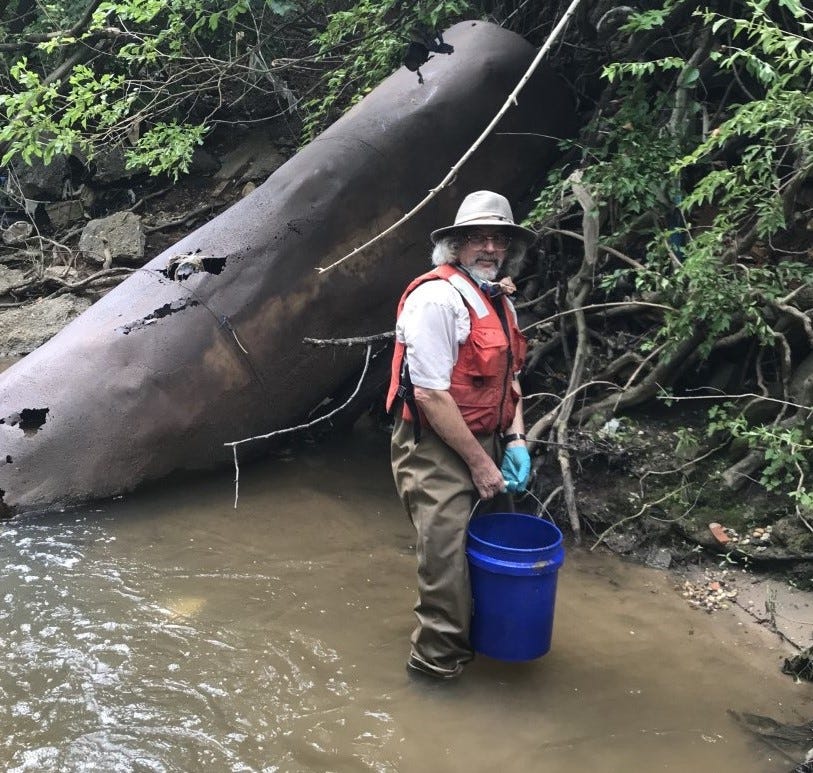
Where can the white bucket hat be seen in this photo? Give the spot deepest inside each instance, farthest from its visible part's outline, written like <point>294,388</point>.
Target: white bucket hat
<point>486,208</point>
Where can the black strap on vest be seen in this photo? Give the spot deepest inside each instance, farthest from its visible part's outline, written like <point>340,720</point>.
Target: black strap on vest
<point>406,391</point>
<point>499,307</point>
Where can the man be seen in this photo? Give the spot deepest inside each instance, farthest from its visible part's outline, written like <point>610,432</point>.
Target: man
<point>459,435</point>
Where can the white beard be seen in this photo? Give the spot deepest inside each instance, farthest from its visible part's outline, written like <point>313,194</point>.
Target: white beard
<point>484,275</point>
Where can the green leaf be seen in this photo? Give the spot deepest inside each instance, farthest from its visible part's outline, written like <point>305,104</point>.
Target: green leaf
<point>281,7</point>
<point>688,77</point>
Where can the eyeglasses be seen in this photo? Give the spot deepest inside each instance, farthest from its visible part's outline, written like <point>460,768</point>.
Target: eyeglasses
<point>500,241</point>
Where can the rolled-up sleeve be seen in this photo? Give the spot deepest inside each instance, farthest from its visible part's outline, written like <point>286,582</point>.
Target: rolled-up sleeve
<point>432,325</point>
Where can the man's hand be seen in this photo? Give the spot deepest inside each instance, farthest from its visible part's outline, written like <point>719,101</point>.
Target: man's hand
<point>507,285</point>
<point>445,418</point>
<point>487,478</point>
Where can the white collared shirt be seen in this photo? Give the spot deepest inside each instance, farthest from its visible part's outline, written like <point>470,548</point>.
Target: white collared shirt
<point>432,325</point>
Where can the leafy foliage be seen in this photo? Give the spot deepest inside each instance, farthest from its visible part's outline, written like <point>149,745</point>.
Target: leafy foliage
<point>364,44</point>
<point>788,452</point>
<point>150,75</point>
<point>695,156</point>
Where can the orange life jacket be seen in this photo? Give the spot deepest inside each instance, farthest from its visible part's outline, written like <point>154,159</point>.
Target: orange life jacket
<point>486,362</point>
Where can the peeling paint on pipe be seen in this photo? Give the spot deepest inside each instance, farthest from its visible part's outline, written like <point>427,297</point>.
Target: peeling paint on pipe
<point>162,371</point>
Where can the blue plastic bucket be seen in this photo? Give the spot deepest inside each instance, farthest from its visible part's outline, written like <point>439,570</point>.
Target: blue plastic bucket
<point>513,563</point>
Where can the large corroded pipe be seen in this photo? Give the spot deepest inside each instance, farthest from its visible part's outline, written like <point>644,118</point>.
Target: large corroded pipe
<point>160,373</point>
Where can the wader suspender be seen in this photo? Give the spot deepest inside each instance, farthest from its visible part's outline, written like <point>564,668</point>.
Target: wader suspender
<point>406,391</point>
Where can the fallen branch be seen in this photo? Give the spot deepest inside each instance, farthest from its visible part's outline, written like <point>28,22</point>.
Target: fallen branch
<point>578,288</point>
<point>603,247</point>
<point>65,287</point>
<point>661,375</point>
<point>795,313</point>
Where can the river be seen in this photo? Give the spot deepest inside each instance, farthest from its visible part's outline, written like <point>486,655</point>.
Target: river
<point>168,631</point>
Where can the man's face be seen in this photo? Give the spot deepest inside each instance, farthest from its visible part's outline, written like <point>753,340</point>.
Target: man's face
<point>482,252</point>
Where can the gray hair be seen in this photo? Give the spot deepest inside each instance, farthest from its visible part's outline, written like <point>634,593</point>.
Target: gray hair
<point>447,248</point>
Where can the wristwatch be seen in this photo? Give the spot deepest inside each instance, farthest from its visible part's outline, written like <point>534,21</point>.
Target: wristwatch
<point>513,436</point>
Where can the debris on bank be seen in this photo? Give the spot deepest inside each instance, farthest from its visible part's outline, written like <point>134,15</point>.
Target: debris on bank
<point>759,538</point>
<point>716,590</point>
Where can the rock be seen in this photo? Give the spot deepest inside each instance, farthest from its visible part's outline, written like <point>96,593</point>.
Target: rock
<point>660,558</point>
<point>203,163</point>
<point>25,328</point>
<point>110,166</point>
<point>40,182</point>
<point>65,273</point>
<point>9,277</point>
<point>621,541</point>
<point>255,158</point>
<point>120,236</point>
<point>17,232</point>
<point>63,213</point>
<point>792,533</point>
<point>249,187</point>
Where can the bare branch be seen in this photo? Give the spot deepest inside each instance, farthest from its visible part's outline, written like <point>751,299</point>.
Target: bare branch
<point>309,424</point>
<point>357,341</point>
<point>628,304</point>
<point>603,247</point>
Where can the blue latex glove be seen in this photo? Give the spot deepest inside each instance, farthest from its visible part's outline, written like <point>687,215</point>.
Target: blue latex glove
<point>516,468</point>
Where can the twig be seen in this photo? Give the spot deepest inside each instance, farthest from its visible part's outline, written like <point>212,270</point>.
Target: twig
<point>309,424</point>
<point>640,512</point>
<point>574,392</point>
<point>597,306</point>
<point>550,497</point>
<point>774,629</point>
<point>452,173</point>
<point>149,196</point>
<point>683,466</point>
<point>654,353</point>
<point>725,396</point>
<point>609,250</point>
<point>236,477</point>
<point>357,341</point>
<point>534,301</point>
<point>181,220</point>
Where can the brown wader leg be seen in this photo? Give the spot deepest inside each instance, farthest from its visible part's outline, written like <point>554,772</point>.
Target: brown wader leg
<point>435,486</point>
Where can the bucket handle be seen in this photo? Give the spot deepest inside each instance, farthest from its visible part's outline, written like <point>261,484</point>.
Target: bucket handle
<point>545,513</point>
<point>476,505</point>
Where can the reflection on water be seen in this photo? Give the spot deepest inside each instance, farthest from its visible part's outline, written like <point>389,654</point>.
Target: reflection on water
<point>169,632</point>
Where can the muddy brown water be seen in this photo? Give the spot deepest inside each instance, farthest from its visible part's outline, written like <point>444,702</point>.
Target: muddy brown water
<point>167,631</point>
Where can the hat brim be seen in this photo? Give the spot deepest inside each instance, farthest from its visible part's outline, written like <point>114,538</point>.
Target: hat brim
<point>526,235</point>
